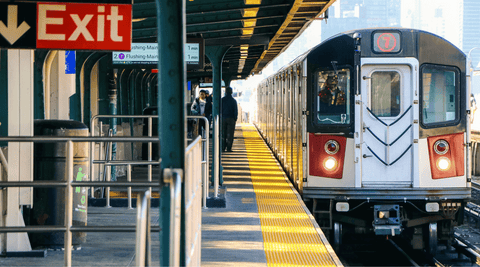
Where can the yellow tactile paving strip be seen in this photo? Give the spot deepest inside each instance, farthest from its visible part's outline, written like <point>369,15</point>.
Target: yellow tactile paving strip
<point>290,238</point>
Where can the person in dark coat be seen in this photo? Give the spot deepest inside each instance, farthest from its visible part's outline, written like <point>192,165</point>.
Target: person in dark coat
<point>229,119</point>
<point>202,107</point>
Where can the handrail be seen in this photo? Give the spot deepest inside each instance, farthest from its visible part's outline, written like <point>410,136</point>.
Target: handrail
<point>142,240</point>
<point>55,139</point>
<point>174,177</point>
<point>68,184</point>
<point>3,161</point>
<point>92,132</point>
<point>205,157</point>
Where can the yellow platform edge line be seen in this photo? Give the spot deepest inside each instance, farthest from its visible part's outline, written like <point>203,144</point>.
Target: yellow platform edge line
<point>268,235</point>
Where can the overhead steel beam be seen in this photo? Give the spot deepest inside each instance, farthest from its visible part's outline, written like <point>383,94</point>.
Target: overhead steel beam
<point>232,20</point>
<point>232,29</point>
<point>237,40</point>
<point>210,12</point>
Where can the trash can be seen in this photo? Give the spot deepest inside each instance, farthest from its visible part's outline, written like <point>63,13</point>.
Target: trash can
<point>49,164</point>
<point>150,111</point>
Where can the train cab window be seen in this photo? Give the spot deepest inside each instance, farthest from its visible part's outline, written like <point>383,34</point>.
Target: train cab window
<point>438,94</point>
<point>333,97</point>
<point>385,93</point>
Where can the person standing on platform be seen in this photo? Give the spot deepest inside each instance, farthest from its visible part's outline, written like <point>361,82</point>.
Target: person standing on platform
<point>202,107</point>
<point>229,118</point>
<point>208,112</point>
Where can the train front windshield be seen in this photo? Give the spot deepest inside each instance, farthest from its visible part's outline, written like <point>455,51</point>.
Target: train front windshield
<point>333,96</point>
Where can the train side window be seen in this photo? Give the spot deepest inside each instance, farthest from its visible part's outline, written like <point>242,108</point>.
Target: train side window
<point>439,103</point>
<point>385,93</point>
<point>333,96</point>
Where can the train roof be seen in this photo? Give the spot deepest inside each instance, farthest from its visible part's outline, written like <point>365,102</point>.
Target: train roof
<point>367,32</point>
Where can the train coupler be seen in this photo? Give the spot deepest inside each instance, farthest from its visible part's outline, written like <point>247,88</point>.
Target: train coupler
<point>387,220</point>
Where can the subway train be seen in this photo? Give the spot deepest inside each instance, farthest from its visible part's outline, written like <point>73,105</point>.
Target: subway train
<point>372,128</point>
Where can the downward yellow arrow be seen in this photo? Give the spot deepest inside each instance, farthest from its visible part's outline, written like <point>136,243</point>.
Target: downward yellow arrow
<point>12,32</point>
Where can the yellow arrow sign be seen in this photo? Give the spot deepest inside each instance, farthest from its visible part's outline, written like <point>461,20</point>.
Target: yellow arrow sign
<point>11,32</point>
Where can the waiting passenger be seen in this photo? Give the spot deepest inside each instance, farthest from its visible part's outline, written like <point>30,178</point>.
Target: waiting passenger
<point>202,107</point>
<point>229,119</point>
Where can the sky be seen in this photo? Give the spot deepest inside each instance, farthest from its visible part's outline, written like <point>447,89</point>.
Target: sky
<point>441,17</point>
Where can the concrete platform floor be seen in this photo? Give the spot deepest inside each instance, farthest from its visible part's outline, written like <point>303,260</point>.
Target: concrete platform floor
<point>232,236</point>
<point>101,249</point>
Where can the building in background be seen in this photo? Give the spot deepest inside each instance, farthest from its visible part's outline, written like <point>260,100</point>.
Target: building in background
<point>346,15</point>
<point>471,29</point>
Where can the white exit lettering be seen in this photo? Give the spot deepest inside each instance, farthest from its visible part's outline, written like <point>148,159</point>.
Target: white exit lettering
<point>50,15</point>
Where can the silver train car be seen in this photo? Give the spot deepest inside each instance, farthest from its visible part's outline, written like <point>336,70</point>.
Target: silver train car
<point>372,128</point>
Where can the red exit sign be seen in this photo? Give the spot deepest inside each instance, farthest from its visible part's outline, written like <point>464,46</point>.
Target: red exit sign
<point>84,26</point>
<point>66,26</point>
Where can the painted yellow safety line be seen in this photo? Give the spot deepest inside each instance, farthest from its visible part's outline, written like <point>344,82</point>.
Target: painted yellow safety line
<point>290,237</point>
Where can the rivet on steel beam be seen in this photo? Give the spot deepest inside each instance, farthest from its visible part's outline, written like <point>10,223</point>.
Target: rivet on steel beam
<point>172,100</point>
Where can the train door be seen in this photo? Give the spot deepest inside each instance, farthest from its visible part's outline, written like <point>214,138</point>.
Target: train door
<point>387,123</point>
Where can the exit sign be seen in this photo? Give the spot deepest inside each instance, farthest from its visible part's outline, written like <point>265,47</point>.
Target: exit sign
<point>66,26</point>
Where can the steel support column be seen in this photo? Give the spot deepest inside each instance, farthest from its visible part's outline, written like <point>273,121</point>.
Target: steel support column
<point>171,25</point>
<point>216,54</point>
<point>112,96</point>
<point>38,95</point>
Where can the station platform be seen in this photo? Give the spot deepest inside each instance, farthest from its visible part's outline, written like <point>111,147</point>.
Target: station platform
<point>265,222</point>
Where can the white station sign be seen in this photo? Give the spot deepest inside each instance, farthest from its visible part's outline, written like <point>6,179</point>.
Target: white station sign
<point>147,54</point>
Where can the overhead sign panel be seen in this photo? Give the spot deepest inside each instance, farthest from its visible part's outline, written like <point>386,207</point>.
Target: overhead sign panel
<point>141,54</point>
<point>66,26</point>
<point>145,55</point>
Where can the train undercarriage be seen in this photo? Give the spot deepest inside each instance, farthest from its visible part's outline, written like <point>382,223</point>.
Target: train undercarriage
<point>407,219</point>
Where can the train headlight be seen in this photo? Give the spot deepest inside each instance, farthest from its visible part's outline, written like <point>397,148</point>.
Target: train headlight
<point>441,147</point>
<point>330,164</point>
<point>443,164</point>
<point>332,147</point>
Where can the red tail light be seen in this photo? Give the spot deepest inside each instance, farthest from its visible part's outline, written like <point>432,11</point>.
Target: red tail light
<point>446,155</point>
<point>332,147</point>
<point>327,153</point>
<point>441,147</point>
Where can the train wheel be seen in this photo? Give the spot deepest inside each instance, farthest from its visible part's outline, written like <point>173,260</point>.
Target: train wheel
<point>337,236</point>
<point>432,239</point>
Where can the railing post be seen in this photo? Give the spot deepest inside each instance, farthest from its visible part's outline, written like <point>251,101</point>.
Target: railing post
<point>129,179</point>
<point>109,172</point>
<point>68,205</point>
<point>150,126</point>
<point>206,148</point>
<point>92,153</point>
<point>216,157</point>
<point>142,240</point>
<point>174,177</point>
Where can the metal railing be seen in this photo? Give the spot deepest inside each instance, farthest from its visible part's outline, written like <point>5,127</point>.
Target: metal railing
<point>193,203</point>
<point>143,241</point>
<point>174,177</point>
<point>69,183</point>
<point>108,157</point>
<point>205,157</point>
